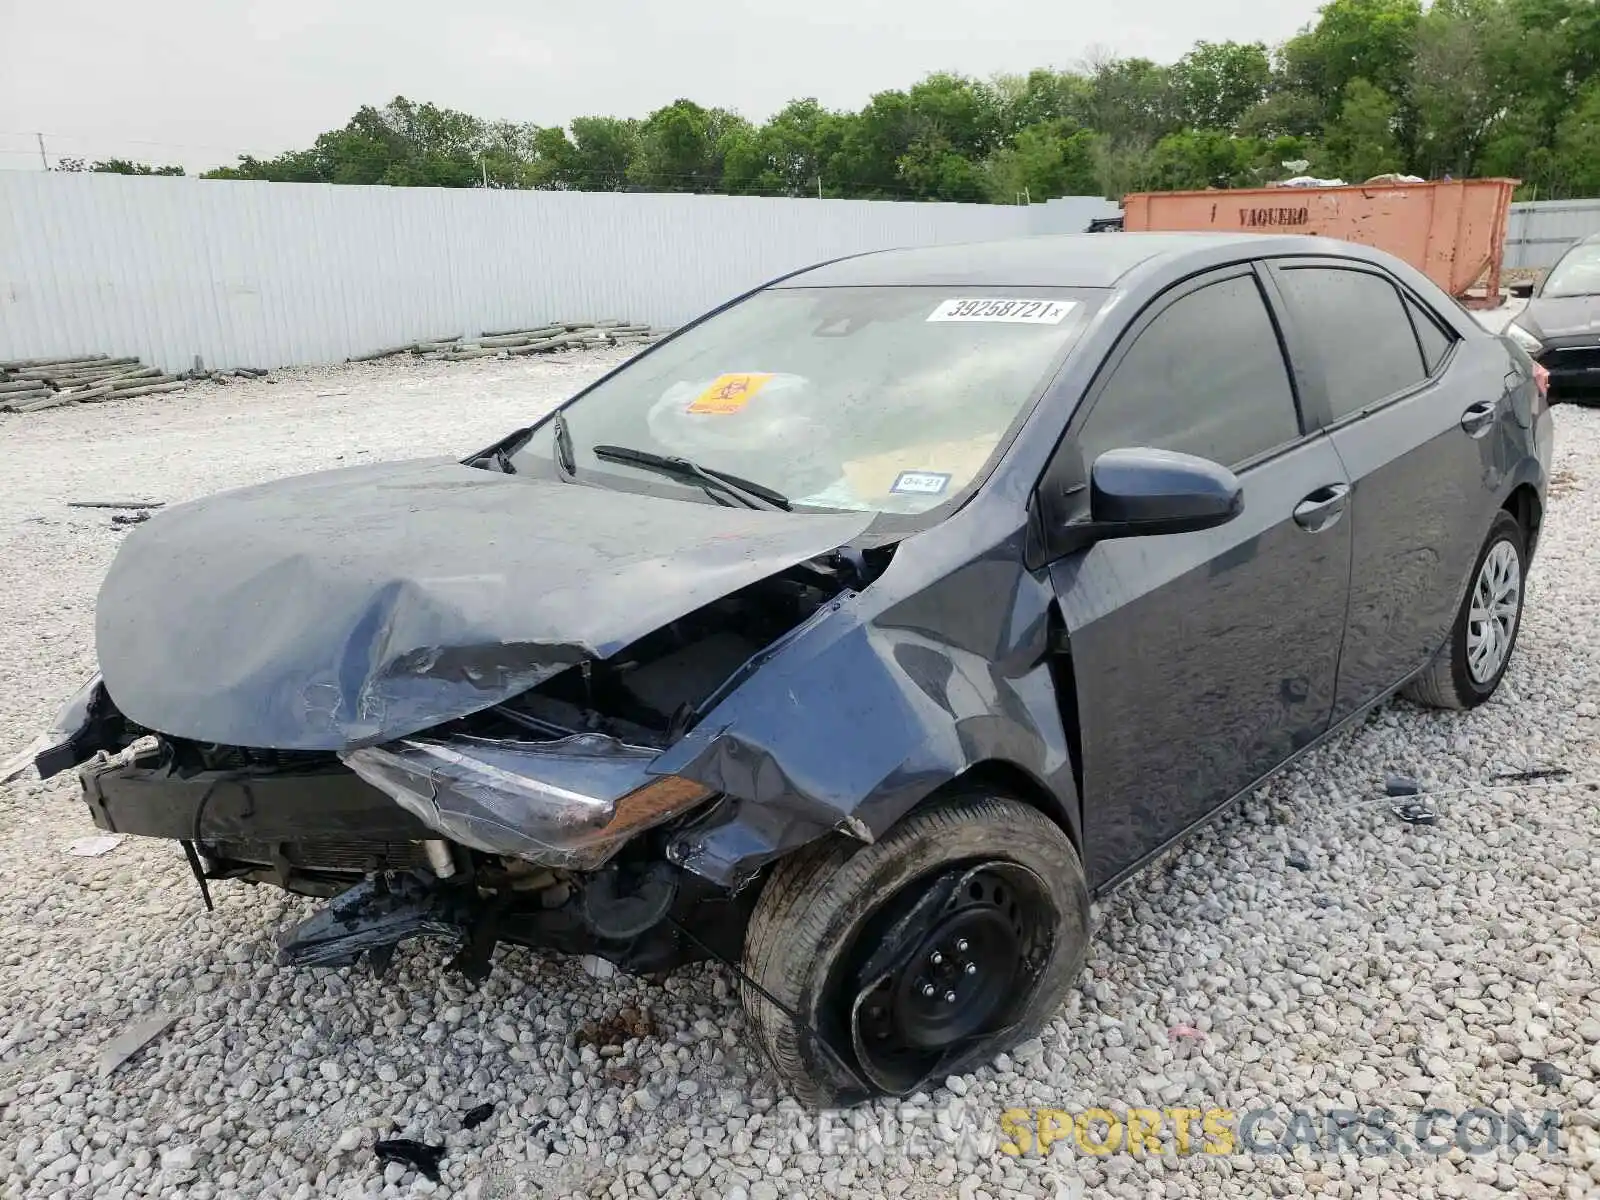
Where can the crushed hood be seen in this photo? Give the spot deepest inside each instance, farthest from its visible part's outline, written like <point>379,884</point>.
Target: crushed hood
<point>1554,317</point>
<point>348,607</point>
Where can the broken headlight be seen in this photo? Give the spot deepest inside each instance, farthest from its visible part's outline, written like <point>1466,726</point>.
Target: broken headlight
<point>569,803</point>
<point>54,750</point>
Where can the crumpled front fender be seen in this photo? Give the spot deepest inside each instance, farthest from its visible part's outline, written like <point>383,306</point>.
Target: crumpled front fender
<point>863,715</point>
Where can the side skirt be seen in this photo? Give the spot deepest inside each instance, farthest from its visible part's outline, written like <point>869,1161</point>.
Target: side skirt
<point>1123,876</point>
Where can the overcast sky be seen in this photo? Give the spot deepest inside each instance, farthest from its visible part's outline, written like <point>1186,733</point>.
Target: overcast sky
<point>198,82</point>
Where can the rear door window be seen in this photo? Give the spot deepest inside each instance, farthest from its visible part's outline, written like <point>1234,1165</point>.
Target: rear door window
<point>1207,377</point>
<point>1436,343</point>
<point>1357,328</point>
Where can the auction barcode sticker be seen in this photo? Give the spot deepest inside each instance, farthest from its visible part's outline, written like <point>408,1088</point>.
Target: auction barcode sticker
<point>1023,312</point>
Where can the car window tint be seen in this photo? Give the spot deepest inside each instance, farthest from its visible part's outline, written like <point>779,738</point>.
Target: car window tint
<point>1206,377</point>
<point>1435,341</point>
<point>1357,328</point>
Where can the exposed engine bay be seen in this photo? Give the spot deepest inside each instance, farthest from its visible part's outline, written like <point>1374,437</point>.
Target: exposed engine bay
<point>652,692</point>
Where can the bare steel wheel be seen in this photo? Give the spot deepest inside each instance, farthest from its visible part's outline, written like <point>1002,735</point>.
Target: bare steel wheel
<point>918,956</point>
<point>1469,667</point>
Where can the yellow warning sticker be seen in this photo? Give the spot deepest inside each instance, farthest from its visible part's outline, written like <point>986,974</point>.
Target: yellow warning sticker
<point>729,393</point>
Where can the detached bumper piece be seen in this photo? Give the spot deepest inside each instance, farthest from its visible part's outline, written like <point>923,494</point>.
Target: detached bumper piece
<point>373,917</point>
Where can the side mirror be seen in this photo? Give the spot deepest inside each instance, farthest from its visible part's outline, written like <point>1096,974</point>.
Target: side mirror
<point>1136,492</point>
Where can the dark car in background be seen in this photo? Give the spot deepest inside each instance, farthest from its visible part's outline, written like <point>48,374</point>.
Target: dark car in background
<point>1560,328</point>
<point>855,636</point>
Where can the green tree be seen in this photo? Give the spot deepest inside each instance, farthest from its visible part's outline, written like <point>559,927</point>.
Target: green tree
<point>123,166</point>
<point>1203,158</point>
<point>926,143</point>
<point>1131,100</point>
<point>1124,167</point>
<point>789,155</point>
<point>1458,89</point>
<point>1040,97</point>
<point>1361,140</point>
<point>1216,83</point>
<point>603,150</point>
<point>1502,87</point>
<point>1577,148</point>
<point>1056,158</point>
<point>1366,39</point>
<point>681,148</point>
<point>403,144</point>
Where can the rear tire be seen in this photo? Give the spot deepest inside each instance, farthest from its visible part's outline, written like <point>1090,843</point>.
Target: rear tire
<point>998,881</point>
<point>1467,670</point>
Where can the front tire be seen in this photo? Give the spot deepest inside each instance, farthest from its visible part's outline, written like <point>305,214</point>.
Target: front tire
<point>1468,669</point>
<point>918,956</point>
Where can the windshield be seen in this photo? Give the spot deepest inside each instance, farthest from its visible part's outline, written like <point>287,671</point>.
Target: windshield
<point>879,399</point>
<point>1577,274</point>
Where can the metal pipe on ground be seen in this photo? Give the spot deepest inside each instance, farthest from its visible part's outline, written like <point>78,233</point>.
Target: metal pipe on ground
<point>536,331</point>
<point>149,391</point>
<point>22,364</point>
<point>94,393</point>
<point>390,352</point>
<point>141,381</point>
<point>50,401</point>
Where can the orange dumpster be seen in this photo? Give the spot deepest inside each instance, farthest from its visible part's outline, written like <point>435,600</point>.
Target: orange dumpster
<point>1452,231</point>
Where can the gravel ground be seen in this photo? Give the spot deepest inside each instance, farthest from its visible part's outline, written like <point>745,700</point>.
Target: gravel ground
<point>1306,952</point>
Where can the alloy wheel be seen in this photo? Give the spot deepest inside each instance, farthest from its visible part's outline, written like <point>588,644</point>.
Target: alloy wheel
<point>1492,619</point>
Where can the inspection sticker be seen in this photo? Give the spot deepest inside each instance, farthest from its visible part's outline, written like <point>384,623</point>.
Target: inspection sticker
<point>730,393</point>
<point>921,483</point>
<point>1021,312</point>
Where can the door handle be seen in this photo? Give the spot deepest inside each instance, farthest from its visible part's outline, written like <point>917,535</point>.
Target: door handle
<point>1479,417</point>
<point>1323,507</point>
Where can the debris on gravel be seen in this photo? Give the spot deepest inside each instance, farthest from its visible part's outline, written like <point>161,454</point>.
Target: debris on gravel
<point>1415,967</point>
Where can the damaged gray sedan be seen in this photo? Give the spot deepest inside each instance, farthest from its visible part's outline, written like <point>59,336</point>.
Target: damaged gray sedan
<point>855,636</point>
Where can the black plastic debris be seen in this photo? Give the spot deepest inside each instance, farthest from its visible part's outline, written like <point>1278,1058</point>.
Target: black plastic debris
<point>372,917</point>
<point>1547,1073</point>
<point>419,1156</point>
<point>476,1116</point>
<point>1535,775</point>
<point>1415,813</point>
<point>130,518</point>
<point>1401,785</point>
<point>1298,861</point>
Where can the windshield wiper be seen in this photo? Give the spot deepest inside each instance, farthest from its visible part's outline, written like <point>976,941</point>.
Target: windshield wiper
<point>751,495</point>
<point>561,443</point>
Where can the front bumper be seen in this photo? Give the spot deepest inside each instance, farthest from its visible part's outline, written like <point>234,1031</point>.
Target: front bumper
<point>304,806</point>
<point>1573,369</point>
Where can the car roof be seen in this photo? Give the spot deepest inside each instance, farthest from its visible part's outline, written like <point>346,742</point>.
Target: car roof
<point>1083,260</point>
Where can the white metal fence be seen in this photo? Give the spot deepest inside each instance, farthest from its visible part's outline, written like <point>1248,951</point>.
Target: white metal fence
<point>268,274</point>
<point>1540,230</point>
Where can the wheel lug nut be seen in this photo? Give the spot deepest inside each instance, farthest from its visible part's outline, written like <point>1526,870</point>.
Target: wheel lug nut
<point>961,945</point>
<point>927,989</point>
<point>936,958</point>
<point>970,969</point>
<point>949,997</point>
